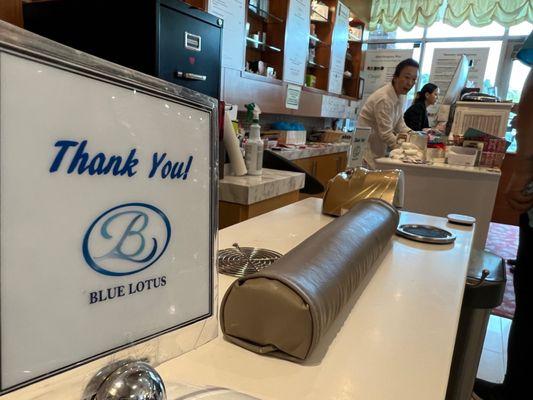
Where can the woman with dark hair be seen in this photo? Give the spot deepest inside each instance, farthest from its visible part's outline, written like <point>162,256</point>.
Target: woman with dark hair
<point>416,116</point>
<point>383,111</point>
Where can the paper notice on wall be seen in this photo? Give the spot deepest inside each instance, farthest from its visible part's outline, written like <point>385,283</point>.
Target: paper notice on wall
<point>297,43</point>
<point>292,97</point>
<point>233,14</point>
<point>339,42</point>
<point>445,62</point>
<point>379,68</point>
<point>333,107</point>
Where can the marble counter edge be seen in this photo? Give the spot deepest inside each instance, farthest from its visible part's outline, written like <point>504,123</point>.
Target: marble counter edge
<point>312,152</point>
<point>443,167</point>
<point>247,190</point>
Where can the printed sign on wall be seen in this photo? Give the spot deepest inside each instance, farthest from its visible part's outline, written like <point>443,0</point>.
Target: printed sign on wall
<point>297,41</point>
<point>106,222</point>
<point>338,48</point>
<point>233,14</point>
<point>379,68</point>
<point>445,62</point>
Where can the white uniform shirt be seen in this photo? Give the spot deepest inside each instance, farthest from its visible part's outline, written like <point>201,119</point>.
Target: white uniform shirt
<point>383,112</point>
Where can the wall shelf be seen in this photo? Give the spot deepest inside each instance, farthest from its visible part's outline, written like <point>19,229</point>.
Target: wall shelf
<point>316,17</point>
<point>312,64</point>
<point>252,43</point>
<point>265,37</point>
<point>264,15</point>
<point>315,41</point>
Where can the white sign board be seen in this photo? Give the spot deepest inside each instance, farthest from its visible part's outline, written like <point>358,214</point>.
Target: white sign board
<point>358,146</point>
<point>379,68</point>
<point>106,234</point>
<point>296,41</point>
<point>339,43</point>
<point>333,107</point>
<point>445,62</point>
<point>292,97</point>
<point>233,40</point>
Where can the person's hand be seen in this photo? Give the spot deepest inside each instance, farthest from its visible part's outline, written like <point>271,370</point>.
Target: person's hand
<point>515,193</point>
<point>441,127</point>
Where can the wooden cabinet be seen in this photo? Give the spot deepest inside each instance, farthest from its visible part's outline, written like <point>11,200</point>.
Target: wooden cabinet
<point>324,167</point>
<point>329,166</point>
<point>353,85</point>
<point>320,38</point>
<point>265,35</point>
<point>242,87</point>
<point>201,4</point>
<point>11,11</point>
<point>233,213</point>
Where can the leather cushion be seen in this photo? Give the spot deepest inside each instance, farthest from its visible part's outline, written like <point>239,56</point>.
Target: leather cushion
<point>285,309</point>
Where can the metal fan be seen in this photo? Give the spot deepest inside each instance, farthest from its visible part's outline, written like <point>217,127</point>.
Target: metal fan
<point>242,261</point>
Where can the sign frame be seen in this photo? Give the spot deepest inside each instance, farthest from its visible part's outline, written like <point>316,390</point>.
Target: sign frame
<point>23,44</point>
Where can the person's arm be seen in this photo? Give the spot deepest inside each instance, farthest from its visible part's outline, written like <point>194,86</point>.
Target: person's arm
<point>384,123</point>
<point>401,127</point>
<point>523,172</point>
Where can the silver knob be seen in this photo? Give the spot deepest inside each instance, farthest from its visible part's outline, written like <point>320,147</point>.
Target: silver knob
<point>131,380</point>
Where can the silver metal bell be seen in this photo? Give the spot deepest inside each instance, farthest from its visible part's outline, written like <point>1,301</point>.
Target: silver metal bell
<point>131,380</point>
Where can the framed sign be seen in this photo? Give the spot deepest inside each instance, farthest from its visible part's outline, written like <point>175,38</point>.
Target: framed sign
<point>358,144</point>
<point>108,207</point>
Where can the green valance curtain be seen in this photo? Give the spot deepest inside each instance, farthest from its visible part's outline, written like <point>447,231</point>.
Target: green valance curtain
<point>483,12</point>
<point>406,14</point>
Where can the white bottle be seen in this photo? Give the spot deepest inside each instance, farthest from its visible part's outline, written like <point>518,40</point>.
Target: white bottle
<point>253,149</point>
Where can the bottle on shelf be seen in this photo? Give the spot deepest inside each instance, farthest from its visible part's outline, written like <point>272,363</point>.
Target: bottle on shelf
<point>253,149</point>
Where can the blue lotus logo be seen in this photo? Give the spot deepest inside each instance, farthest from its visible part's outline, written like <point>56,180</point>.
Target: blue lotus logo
<point>126,239</point>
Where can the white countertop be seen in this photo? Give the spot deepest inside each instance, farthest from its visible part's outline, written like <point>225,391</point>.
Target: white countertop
<point>323,149</point>
<point>442,189</point>
<point>441,166</point>
<point>395,342</point>
<point>250,189</point>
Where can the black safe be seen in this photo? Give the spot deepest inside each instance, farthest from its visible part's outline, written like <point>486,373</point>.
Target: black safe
<point>165,38</point>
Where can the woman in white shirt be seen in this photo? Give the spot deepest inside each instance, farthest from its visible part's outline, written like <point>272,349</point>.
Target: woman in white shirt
<point>383,111</point>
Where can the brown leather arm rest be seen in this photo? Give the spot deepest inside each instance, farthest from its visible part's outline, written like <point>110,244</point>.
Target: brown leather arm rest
<point>286,309</point>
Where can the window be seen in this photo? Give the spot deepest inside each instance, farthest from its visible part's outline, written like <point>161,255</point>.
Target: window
<point>519,72</point>
<point>489,81</point>
<point>403,46</point>
<point>501,42</point>
<point>524,28</point>
<point>441,30</point>
<point>440,35</point>
<point>416,33</point>
<point>517,79</point>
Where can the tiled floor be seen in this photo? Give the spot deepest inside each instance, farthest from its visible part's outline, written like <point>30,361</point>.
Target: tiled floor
<point>494,356</point>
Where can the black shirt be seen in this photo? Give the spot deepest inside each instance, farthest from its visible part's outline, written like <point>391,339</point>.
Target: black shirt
<point>416,116</point>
